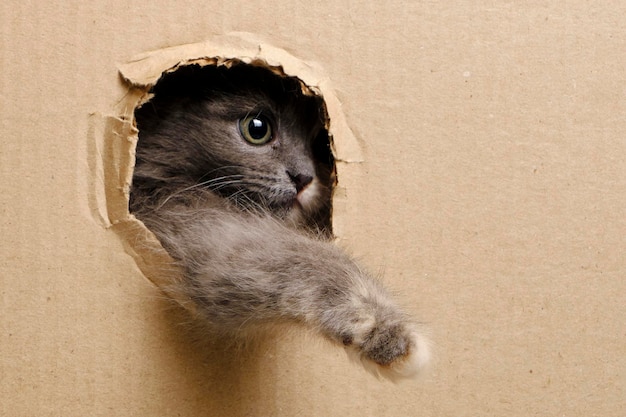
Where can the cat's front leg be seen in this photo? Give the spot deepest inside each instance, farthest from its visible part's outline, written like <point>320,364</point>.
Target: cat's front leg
<point>243,270</point>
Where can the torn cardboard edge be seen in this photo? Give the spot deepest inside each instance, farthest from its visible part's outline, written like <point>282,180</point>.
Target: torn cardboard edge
<point>120,135</point>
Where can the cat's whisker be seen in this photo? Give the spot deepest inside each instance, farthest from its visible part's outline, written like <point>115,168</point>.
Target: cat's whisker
<point>229,167</point>
<point>234,179</point>
<point>250,204</point>
<point>223,184</point>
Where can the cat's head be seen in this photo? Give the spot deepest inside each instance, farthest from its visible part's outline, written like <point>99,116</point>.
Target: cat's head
<point>244,133</point>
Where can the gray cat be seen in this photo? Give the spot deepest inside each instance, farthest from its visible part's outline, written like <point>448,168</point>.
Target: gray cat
<point>234,176</point>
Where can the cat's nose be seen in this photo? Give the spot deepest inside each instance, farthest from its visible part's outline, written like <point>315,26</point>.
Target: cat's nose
<point>300,180</point>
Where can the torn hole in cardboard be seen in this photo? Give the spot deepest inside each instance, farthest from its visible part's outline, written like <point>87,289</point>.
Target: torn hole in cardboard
<point>121,135</point>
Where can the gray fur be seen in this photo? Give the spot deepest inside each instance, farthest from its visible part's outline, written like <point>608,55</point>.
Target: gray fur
<point>254,248</point>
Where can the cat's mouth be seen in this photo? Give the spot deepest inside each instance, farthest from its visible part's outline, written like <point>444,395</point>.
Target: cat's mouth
<point>292,202</point>
<point>301,201</point>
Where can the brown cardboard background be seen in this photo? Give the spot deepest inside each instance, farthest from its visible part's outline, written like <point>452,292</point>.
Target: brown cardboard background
<point>493,196</point>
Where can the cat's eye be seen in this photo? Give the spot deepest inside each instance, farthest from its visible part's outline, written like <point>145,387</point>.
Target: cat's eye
<point>256,129</point>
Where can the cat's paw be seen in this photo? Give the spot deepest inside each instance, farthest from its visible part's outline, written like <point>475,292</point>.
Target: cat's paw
<point>393,352</point>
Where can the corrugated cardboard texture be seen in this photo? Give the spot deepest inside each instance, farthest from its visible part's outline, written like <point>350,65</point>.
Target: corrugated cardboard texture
<point>492,197</point>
